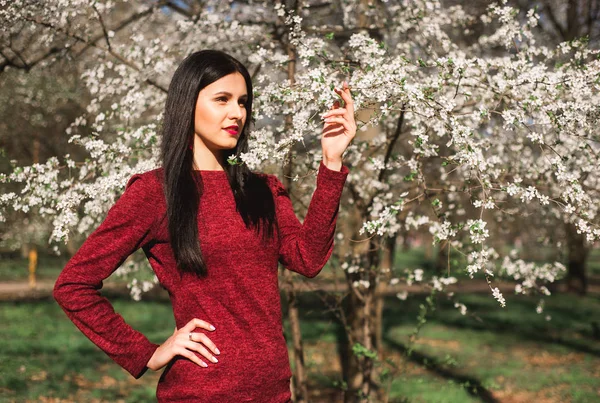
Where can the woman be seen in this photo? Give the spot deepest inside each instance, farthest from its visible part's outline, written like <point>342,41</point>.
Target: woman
<point>213,234</point>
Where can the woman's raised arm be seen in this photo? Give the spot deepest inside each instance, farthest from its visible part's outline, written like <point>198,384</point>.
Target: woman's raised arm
<point>305,248</point>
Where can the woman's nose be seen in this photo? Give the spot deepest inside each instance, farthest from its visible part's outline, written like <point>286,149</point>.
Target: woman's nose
<point>236,111</point>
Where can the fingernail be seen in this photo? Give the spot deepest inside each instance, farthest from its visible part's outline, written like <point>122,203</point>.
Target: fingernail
<point>202,363</point>
<point>212,327</point>
<point>217,351</point>
<point>328,120</point>
<point>214,359</point>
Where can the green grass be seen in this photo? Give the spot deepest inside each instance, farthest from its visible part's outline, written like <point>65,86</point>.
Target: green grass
<point>518,347</point>
<point>594,262</point>
<point>488,352</point>
<point>492,351</point>
<point>457,358</point>
<point>44,354</point>
<point>49,267</point>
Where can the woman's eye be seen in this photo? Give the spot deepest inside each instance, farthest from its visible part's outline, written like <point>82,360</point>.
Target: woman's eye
<point>223,99</point>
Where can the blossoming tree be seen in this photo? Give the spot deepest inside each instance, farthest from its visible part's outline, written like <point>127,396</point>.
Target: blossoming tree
<point>461,136</point>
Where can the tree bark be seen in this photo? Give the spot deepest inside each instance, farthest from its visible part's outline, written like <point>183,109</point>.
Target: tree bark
<point>387,261</point>
<point>441,264</point>
<point>577,255</point>
<point>362,330</point>
<point>353,375</point>
<point>298,387</point>
<point>300,390</point>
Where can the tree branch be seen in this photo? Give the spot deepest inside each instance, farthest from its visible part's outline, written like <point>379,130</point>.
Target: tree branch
<point>173,6</point>
<point>388,152</point>
<point>104,31</point>
<point>114,54</point>
<point>122,25</point>
<point>27,66</point>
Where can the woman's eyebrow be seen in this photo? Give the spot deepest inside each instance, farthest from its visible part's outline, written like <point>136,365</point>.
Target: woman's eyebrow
<point>229,94</point>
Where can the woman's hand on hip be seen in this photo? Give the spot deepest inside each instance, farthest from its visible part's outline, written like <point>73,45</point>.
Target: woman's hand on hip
<point>184,342</point>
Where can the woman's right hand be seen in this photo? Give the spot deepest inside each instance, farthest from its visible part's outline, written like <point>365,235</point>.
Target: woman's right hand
<point>180,344</point>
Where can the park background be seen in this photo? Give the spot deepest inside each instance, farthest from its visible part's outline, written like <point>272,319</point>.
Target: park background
<point>466,265</point>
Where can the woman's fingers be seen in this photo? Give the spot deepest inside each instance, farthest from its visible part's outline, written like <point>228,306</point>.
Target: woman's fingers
<point>345,115</point>
<point>202,338</point>
<point>190,341</point>
<point>346,96</point>
<point>192,357</point>
<point>194,323</point>
<point>334,112</point>
<point>340,120</point>
<point>185,342</point>
<point>191,345</point>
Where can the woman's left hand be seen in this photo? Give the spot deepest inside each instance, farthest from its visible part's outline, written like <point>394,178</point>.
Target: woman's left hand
<point>339,128</point>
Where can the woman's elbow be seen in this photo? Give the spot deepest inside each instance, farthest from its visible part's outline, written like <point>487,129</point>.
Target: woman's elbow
<point>59,292</point>
<point>312,270</point>
<point>64,292</point>
<point>311,273</point>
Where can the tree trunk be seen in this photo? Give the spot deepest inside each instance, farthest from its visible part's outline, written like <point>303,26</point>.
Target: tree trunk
<point>387,261</point>
<point>441,264</point>
<point>352,370</point>
<point>298,387</point>
<point>577,255</point>
<point>300,391</point>
<point>361,312</point>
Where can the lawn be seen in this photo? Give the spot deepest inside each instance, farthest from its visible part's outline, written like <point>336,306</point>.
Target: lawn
<point>49,267</point>
<point>507,354</point>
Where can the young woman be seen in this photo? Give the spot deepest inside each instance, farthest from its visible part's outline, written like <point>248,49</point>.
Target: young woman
<point>213,234</point>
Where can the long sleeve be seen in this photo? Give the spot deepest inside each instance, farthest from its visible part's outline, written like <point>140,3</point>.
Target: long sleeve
<point>126,228</point>
<point>305,248</point>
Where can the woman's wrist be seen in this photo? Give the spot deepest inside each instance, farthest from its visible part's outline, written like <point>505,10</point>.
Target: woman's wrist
<point>335,164</point>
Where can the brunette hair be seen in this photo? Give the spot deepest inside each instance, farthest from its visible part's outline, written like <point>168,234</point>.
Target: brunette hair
<point>182,188</point>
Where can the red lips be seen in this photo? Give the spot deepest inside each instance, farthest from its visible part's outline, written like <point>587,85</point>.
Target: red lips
<point>232,129</point>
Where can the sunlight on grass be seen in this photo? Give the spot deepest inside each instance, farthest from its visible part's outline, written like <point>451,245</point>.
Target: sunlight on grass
<point>46,355</point>
<point>503,353</point>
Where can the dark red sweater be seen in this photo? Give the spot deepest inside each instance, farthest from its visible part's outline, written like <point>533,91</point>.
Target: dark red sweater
<point>240,296</point>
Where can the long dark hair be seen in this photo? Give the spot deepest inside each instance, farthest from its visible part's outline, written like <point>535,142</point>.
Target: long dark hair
<point>182,187</point>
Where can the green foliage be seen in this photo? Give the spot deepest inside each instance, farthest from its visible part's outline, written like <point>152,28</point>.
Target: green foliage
<point>361,351</point>
<point>410,177</point>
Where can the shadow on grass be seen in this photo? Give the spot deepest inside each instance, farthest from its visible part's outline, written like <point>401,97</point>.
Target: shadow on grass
<point>312,309</point>
<point>570,316</point>
<point>476,389</point>
<point>571,326</point>
<point>44,354</point>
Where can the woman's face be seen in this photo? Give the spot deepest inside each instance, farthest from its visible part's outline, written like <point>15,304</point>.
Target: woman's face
<point>220,113</point>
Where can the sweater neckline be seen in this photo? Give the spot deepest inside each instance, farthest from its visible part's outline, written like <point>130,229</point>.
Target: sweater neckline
<point>211,174</point>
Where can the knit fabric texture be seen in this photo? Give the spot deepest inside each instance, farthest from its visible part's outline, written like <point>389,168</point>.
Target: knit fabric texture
<point>240,295</point>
